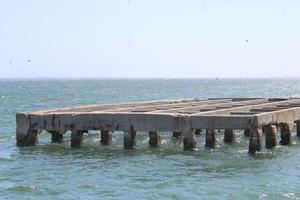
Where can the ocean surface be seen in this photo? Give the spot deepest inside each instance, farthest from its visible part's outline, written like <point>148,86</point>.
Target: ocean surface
<point>56,171</point>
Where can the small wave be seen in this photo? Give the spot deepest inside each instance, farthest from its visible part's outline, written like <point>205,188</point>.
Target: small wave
<point>288,195</point>
<point>23,188</point>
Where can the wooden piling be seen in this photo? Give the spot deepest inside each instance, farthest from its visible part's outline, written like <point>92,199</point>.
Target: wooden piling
<point>255,142</point>
<point>56,136</point>
<point>285,134</point>
<point>154,139</point>
<point>76,137</point>
<point>210,138</point>
<point>106,137</point>
<point>270,133</point>
<point>129,139</point>
<point>189,140</point>
<point>229,135</point>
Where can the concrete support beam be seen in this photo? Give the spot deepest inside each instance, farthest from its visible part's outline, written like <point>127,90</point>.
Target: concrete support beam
<point>247,132</point>
<point>25,136</point>
<point>76,138</point>
<point>285,134</point>
<point>198,131</point>
<point>106,137</point>
<point>255,140</point>
<point>210,138</point>
<point>56,136</point>
<point>229,135</point>
<point>177,134</point>
<point>129,139</point>
<point>189,140</point>
<point>154,139</point>
<point>30,139</point>
<point>298,128</point>
<point>270,133</point>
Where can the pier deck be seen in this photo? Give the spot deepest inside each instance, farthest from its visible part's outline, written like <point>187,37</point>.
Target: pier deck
<point>182,117</point>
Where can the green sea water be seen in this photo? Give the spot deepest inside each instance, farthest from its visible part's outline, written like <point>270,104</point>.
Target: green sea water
<point>56,171</point>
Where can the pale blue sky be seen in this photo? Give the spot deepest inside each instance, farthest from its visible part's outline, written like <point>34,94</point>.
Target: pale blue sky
<point>149,38</point>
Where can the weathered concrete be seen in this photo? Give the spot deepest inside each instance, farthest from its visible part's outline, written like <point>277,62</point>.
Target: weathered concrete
<point>106,137</point>
<point>210,138</point>
<point>298,128</point>
<point>270,133</point>
<point>165,117</point>
<point>154,139</point>
<point>176,116</point>
<point>255,142</point>
<point>76,137</point>
<point>56,136</point>
<point>129,139</point>
<point>24,135</point>
<point>229,135</point>
<point>247,132</point>
<point>30,139</point>
<point>189,140</point>
<point>285,134</point>
<point>198,131</point>
<point>177,134</point>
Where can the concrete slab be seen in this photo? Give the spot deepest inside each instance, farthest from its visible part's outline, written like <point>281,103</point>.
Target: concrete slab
<point>164,116</point>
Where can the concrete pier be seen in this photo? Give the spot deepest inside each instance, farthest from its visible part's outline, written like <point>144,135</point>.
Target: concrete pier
<point>255,140</point>
<point>30,139</point>
<point>176,116</point>
<point>106,137</point>
<point>298,128</point>
<point>56,136</point>
<point>76,138</point>
<point>285,134</point>
<point>247,132</point>
<point>189,140</point>
<point>129,139</point>
<point>177,134</point>
<point>229,135</point>
<point>270,133</point>
<point>198,131</point>
<point>210,139</point>
<point>154,139</point>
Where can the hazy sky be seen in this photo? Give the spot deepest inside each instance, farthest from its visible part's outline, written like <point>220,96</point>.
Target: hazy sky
<point>149,38</point>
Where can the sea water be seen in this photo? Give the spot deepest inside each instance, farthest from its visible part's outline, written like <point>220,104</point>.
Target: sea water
<point>56,171</point>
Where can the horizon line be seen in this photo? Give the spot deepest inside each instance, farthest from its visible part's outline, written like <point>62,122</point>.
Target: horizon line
<point>125,78</point>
